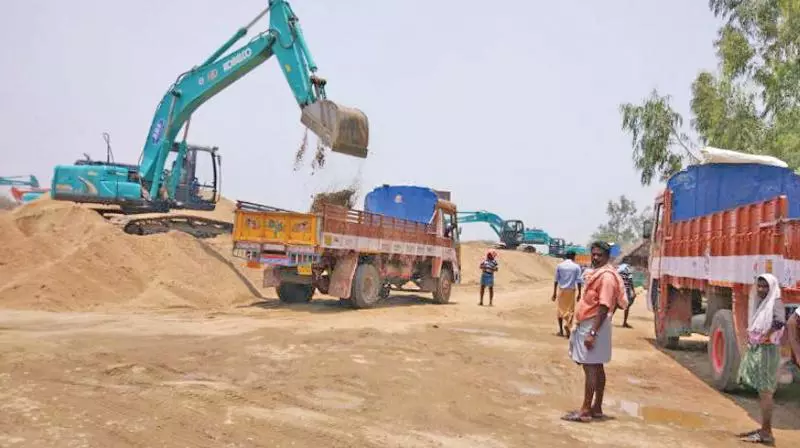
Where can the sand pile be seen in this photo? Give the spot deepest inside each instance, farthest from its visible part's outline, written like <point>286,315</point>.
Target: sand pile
<point>60,256</point>
<point>345,198</point>
<point>515,266</point>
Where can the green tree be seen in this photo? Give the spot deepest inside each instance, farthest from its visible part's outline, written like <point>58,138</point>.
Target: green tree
<point>752,104</point>
<point>624,224</point>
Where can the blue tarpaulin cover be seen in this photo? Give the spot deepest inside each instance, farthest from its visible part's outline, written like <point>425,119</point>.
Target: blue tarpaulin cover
<point>704,189</point>
<point>404,202</point>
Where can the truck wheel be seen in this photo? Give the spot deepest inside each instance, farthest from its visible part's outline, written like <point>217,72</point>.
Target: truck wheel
<point>662,340</point>
<point>366,289</point>
<point>530,249</point>
<point>723,351</point>
<point>444,286</point>
<point>295,292</point>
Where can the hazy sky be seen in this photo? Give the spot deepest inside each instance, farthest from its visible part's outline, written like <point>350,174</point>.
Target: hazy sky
<point>513,108</point>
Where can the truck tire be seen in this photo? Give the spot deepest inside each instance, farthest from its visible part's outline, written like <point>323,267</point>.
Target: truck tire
<point>530,249</point>
<point>365,292</point>
<point>723,351</point>
<point>295,292</point>
<point>662,340</point>
<point>444,285</point>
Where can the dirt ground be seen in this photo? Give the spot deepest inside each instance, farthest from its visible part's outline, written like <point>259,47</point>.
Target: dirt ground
<point>407,374</point>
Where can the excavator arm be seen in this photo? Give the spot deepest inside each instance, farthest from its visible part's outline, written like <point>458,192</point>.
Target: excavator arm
<point>343,129</point>
<point>148,186</point>
<point>32,181</point>
<point>494,221</point>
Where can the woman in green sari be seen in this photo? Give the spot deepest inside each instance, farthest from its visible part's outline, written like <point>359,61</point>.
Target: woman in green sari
<point>759,367</point>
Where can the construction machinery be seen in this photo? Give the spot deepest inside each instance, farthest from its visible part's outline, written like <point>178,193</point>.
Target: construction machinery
<point>512,232</point>
<point>23,195</point>
<point>717,226</point>
<point>558,248</point>
<point>148,187</point>
<point>359,256</point>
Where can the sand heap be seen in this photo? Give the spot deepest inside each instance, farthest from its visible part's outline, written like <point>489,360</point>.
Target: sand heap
<point>344,198</point>
<point>515,266</point>
<point>61,256</point>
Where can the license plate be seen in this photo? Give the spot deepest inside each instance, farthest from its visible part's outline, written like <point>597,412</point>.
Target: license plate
<point>304,269</point>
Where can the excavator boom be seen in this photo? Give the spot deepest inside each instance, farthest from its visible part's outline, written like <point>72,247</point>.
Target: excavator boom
<point>150,185</point>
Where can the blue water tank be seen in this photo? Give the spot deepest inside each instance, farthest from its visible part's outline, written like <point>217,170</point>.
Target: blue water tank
<point>403,202</point>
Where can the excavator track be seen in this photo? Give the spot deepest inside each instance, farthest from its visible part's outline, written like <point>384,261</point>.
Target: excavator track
<point>152,224</point>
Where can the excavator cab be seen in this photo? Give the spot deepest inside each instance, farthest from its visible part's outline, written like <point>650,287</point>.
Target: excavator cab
<point>343,129</point>
<point>196,190</point>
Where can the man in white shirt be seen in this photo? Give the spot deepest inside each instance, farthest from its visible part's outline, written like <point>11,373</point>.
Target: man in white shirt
<point>566,286</point>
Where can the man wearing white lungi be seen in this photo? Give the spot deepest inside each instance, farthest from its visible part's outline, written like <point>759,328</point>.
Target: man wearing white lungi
<point>590,342</point>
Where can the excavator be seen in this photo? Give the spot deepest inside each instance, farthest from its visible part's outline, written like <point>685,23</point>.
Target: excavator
<point>512,232</point>
<point>23,195</point>
<point>143,193</point>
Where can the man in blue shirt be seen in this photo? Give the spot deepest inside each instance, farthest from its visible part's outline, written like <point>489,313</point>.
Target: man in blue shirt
<point>567,290</point>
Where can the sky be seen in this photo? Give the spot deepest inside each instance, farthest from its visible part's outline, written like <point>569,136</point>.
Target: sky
<point>512,108</point>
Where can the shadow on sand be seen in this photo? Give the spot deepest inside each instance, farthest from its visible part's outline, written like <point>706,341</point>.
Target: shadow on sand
<point>693,356</point>
<point>331,305</point>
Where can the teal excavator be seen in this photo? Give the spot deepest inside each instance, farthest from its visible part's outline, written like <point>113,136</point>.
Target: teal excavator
<point>512,232</point>
<point>148,188</point>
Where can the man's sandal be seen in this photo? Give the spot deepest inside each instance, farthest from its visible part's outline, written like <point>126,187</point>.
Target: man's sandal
<point>576,416</point>
<point>757,437</point>
<point>748,433</point>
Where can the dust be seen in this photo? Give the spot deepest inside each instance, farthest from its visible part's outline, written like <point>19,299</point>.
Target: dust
<point>7,203</point>
<point>59,256</point>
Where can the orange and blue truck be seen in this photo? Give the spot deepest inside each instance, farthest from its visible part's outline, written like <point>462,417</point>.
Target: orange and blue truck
<point>406,239</point>
<point>716,227</point>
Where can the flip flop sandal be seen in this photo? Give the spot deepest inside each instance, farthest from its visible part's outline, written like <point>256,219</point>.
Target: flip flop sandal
<point>577,417</point>
<point>756,437</point>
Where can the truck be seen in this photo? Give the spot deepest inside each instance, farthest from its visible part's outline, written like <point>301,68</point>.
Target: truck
<point>153,186</point>
<point>406,234</point>
<point>715,228</point>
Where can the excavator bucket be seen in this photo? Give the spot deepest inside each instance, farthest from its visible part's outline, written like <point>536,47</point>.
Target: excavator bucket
<point>344,129</point>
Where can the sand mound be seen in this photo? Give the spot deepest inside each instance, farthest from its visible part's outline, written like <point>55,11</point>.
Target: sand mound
<point>344,198</point>
<point>61,256</point>
<point>515,266</point>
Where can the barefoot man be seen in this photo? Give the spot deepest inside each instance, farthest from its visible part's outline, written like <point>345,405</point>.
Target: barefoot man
<point>590,344</point>
<point>568,281</point>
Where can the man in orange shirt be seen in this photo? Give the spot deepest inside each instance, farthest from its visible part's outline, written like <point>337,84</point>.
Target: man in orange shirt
<point>590,342</point>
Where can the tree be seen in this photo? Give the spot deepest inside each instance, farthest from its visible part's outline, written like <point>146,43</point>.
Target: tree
<point>752,105</point>
<point>624,224</point>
